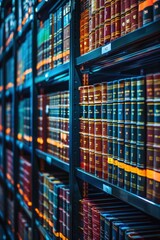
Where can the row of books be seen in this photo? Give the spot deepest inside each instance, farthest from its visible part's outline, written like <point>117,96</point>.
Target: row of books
<point>53,39</point>
<point>9,118</point>
<point>25,10</point>
<point>24,184</point>
<point>10,73</point>
<point>9,28</point>
<point>24,227</point>
<point>119,138</point>
<point>105,217</point>
<point>9,166</point>
<point>105,21</point>
<point>54,113</point>
<point>54,203</point>
<point>24,60</point>
<point>24,121</point>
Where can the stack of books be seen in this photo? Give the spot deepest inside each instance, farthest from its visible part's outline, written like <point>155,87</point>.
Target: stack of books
<point>24,227</point>
<point>54,113</point>
<point>25,11</point>
<point>105,217</point>
<point>104,21</point>
<point>24,60</point>
<point>9,118</point>
<point>113,133</point>
<point>53,39</point>
<point>24,121</point>
<point>54,203</point>
<point>24,184</point>
<point>9,166</point>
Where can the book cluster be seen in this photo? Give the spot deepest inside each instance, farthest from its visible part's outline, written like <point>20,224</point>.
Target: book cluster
<point>10,73</point>
<point>24,60</point>
<point>105,217</point>
<point>104,21</point>
<point>24,183</point>
<point>9,166</point>
<point>25,11</point>
<point>9,109</point>
<point>24,121</point>
<point>53,39</point>
<point>54,204</point>
<point>24,227</point>
<point>54,113</point>
<point>113,135</point>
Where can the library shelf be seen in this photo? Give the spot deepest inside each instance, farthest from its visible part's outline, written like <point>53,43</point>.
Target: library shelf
<point>24,28</point>
<point>23,146</point>
<point>51,160</point>
<point>24,206</point>
<point>23,87</point>
<point>117,51</point>
<point>10,186</point>
<point>142,204</point>
<point>9,139</point>
<point>44,232</point>
<point>56,75</point>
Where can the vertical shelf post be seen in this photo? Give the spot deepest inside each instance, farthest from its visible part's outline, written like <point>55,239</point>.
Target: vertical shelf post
<point>74,83</point>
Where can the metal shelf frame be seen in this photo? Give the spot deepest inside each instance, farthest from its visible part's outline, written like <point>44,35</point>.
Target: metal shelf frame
<point>141,203</point>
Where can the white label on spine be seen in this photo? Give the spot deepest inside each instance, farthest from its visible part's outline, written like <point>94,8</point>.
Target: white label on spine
<point>107,189</point>
<point>106,48</point>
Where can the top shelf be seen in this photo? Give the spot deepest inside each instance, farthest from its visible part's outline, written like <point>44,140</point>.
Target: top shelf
<point>123,46</point>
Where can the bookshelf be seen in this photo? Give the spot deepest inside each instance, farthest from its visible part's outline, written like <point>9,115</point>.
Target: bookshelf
<point>135,54</point>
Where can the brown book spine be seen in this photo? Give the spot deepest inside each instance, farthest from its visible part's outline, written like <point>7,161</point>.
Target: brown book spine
<point>156,10</point>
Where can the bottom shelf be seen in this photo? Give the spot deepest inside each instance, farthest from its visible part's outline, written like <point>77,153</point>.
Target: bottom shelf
<point>142,204</point>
